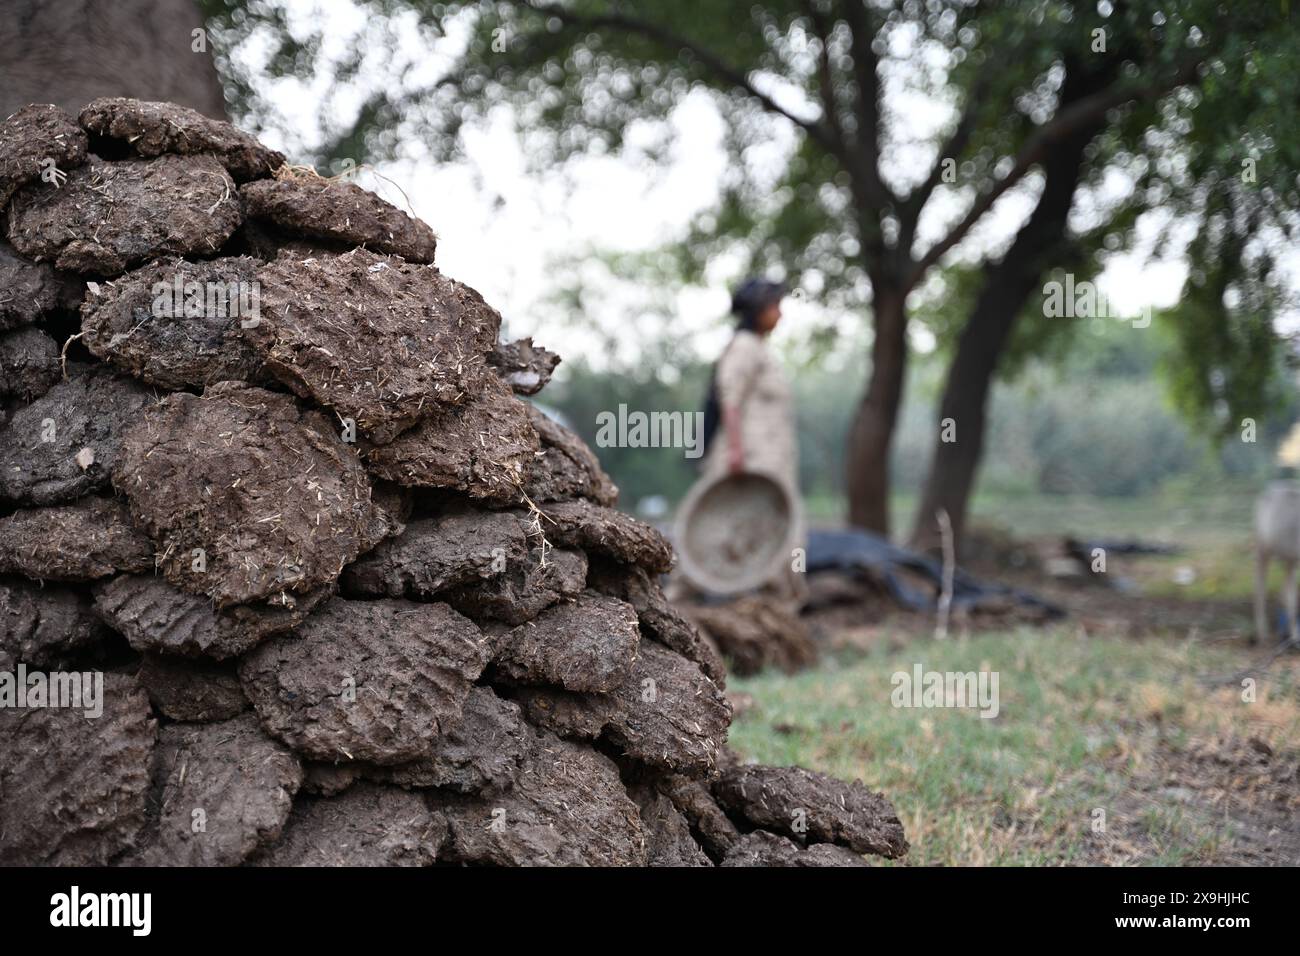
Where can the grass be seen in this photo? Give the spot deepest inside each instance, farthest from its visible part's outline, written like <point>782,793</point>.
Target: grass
<point>1173,514</point>
<point>1084,724</point>
<point>1211,528</point>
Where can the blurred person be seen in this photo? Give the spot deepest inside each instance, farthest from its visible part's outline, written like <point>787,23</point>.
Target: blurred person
<point>749,421</point>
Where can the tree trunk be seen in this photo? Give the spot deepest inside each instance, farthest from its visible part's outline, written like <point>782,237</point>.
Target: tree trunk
<point>68,52</point>
<point>1008,286</point>
<point>873,426</point>
<point>963,408</point>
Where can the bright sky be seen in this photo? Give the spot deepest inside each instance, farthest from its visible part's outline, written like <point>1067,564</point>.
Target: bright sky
<point>502,228</point>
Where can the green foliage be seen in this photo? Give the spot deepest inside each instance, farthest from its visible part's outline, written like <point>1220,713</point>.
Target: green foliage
<point>1098,425</point>
<point>582,394</point>
<point>842,206</point>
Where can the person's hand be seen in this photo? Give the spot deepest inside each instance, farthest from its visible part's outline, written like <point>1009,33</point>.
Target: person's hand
<point>735,458</point>
<point>735,450</point>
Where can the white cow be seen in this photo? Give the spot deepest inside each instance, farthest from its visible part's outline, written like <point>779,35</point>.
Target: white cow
<point>1277,538</point>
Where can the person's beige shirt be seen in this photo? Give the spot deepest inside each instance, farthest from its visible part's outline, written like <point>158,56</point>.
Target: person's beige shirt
<point>751,379</point>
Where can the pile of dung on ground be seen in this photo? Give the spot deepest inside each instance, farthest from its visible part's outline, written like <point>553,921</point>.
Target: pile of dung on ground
<point>755,632</point>
<point>265,477</point>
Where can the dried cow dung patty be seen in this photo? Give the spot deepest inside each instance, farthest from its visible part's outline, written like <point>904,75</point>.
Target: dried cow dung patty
<point>376,339</point>
<point>758,631</point>
<point>761,848</point>
<point>72,787</point>
<point>568,808</point>
<point>366,680</point>
<point>565,467</point>
<point>666,714</point>
<point>366,825</point>
<point>524,590</point>
<point>192,690</point>
<point>29,364</point>
<point>36,138</point>
<point>659,619</point>
<point>581,524</point>
<point>318,208</point>
<point>525,367</point>
<point>223,790</point>
<point>92,538</point>
<point>827,810</point>
<point>262,495</point>
<point>482,447</point>
<point>31,291</point>
<point>152,129</point>
<point>669,841</point>
<point>109,217</point>
<point>65,443</point>
<point>44,625</point>
<point>586,645</point>
<point>433,555</point>
<point>155,616</point>
<point>482,751</point>
<point>178,324</point>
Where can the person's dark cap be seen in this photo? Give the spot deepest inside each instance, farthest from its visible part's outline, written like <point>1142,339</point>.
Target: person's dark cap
<point>754,294</point>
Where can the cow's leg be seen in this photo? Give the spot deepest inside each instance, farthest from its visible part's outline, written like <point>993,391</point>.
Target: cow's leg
<point>1294,627</point>
<point>1261,595</point>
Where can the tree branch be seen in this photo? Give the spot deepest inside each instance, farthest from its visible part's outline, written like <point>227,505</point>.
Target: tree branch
<point>952,149</point>
<point>867,77</point>
<point>709,60</point>
<point>1066,122</point>
<point>823,29</point>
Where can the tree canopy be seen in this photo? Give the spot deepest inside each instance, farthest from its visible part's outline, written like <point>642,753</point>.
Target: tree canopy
<point>907,122</point>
